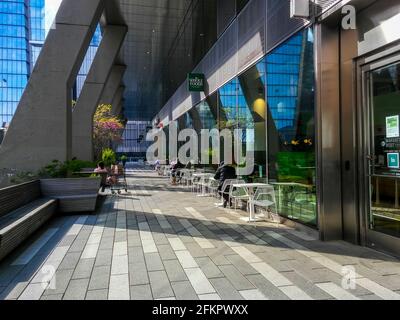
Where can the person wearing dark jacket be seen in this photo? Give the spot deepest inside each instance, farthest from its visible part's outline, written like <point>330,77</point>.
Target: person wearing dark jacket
<point>223,173</point>
<point>175,170</point>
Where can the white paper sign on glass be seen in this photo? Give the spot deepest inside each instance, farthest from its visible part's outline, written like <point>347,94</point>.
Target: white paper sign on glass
<point>392,127</point>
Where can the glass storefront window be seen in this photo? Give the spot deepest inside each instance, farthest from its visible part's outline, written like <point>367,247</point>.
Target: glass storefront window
<point>291,127</point>
<point>385,167</point>
<point>273,105</point>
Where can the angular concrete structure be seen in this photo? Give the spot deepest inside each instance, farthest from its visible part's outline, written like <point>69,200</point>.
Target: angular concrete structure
<point>82,115</point>
<point>113,83</point>
<point>41,128</point>
<point>117,100</point>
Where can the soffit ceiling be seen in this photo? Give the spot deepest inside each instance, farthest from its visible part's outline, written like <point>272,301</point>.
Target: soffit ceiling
<point>153,26</point>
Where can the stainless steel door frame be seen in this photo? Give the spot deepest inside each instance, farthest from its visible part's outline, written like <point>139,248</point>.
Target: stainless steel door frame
<point>369,237</point>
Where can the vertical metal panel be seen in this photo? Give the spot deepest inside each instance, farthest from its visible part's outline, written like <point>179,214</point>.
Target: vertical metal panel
<point>328,133</point>
<point>227,50</point>
<point>279,23</point>
<point>226,12</point>
<point>348,141</point>
<point>251,34</point>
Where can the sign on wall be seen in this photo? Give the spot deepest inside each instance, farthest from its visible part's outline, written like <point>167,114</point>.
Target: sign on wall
<point>196,82</point>
<point>392,127</point>
<point>393,160</point>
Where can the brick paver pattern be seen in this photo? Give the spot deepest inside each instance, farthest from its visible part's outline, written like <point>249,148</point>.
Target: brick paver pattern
<point>163,242</point>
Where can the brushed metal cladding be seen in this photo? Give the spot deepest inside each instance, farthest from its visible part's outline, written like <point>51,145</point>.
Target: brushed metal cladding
<point>279,23</point>
<point>251,34</point>
<point>328,133</point>
<point>351,230</point>
<point>226,14</point>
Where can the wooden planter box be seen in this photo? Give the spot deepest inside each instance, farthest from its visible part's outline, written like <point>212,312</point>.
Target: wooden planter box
<point>74,194</point>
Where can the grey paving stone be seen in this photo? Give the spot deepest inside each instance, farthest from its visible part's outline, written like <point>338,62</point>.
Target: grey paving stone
<point>84,269</point>
<point>78,245</point>
<point>106,243</point>
<point>217,256</point>
<point>195,250</point>
<point>76,289</point>
<point>314,275</point>
<point>100,278</point>
<point>174,270</point>
<point>53,297</point>
<point>267,288</point>
<point>135,254</point>
<point>120,236</point>
<point>209,268</point>
<point>370,297</point>
<point>236,278</point>
<point>141,292</point>
<point>70,261</point>
<point>138,274</point>
<point>67,241</point>
<point>160,238</point>
<point>14,290</point>
<point>160,285</point>
<point>307,286</point>
<point>101,295</point>
<point>244,267</point>
<point>184,291</point>
<point>62,278</point>
<point>153,262</point>
<point>225,289</point>
<point>103,258</point>
<point>166,252</point>
<point>134,241</point>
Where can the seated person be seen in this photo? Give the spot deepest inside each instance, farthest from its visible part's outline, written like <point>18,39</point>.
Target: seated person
<point>175,170</point>
<point>101,169</point>
<point>223,173</point>
<point>112,179</point>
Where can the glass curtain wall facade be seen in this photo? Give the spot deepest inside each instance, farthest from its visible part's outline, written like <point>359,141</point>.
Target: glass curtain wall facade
<point>87,63</point>
<point>273,105</point>
<point>22,36</point>
<point>134,144</point>
<point>14,56</point>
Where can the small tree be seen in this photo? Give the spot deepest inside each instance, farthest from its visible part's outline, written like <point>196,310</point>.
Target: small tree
<point>107,129</point>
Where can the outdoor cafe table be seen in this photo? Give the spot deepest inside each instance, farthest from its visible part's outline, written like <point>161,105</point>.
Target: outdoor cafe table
<point>250,187</point>
<point>280,185</point>
<point>202,177</point>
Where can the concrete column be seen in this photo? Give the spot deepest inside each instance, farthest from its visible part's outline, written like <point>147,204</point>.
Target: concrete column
<point>113,83</point>
<point>82,115</point>
<point>40,129</point>
<point>116,102</point>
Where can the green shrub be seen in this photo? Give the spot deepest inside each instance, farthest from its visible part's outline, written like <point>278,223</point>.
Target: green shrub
<point>108,156</point>
<point>57,169</point>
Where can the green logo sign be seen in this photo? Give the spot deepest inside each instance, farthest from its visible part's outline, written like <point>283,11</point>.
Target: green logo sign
<point>196,82</point>
<point>393,160</point>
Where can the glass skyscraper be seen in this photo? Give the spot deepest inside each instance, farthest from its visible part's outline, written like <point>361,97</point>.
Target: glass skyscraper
<point>22,35</point>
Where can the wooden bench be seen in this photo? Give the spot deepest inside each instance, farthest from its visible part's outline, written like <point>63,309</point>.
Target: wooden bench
<point>23,210</point>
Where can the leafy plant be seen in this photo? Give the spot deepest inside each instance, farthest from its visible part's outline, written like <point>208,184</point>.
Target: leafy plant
<point>108,157</point>
<point>57,169</point>
<point>107,129</point>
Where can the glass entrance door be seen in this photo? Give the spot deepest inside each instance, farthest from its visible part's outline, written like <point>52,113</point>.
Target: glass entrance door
<point>383,156</point>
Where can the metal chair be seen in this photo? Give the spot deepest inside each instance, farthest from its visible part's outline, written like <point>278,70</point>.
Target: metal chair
<point>264,197</point>
<point>227,186</point>
<point>238,194</point>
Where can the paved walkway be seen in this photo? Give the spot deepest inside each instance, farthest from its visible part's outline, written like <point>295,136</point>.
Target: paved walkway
<point>163,242</point>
